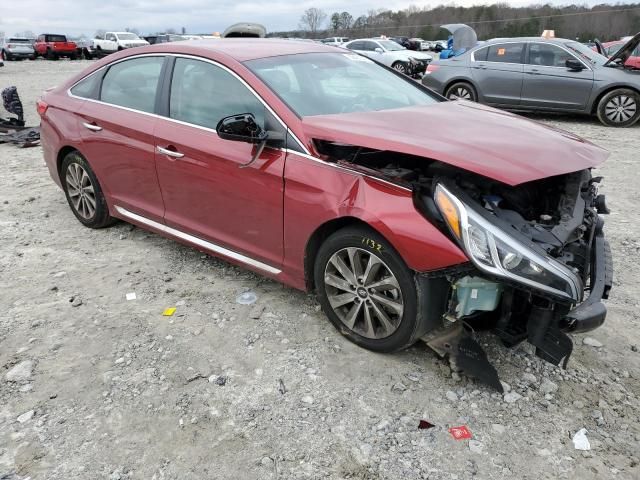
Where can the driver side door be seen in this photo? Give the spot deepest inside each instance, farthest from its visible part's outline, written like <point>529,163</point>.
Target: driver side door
<point>207,190</point>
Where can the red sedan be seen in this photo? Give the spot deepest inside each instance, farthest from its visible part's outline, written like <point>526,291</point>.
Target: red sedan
<point>311,165</point>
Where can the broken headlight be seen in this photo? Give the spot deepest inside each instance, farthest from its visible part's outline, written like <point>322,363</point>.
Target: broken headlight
<point>496,252</point>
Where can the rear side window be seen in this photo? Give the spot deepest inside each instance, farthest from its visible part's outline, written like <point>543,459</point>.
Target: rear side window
<point>88,87</point>
<point>133,83</point>
<point>203,94</point>
<point>480,55</point>
<point>505,53</point>
<point>356,46</point>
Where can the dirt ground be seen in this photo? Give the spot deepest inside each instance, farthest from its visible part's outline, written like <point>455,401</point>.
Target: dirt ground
<point>94,386</point>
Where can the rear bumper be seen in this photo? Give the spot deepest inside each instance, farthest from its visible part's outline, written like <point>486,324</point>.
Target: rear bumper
<point>591,313</point>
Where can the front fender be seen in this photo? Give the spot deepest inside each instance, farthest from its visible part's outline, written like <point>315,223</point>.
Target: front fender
<point>318,192</point>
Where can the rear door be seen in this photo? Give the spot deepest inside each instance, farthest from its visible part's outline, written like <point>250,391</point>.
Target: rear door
<point>498,72</point>
<point>209,189</point>
<point>117,134</point>
<point>549,84</point>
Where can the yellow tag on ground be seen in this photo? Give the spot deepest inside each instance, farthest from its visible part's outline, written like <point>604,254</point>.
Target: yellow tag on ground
<point>169,311</point>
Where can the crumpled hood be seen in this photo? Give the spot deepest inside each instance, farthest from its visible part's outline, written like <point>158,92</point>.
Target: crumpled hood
<point>470,136</point>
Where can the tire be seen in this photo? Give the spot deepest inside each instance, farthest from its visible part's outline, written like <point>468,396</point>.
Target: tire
<point>461,90</point>
<point>340,297</point>
<point>400,67</point>
<point>619,108</point>
<point>87,203</point>
<point>7,56</point>
<point>73,56</point>
<point>50,55</point>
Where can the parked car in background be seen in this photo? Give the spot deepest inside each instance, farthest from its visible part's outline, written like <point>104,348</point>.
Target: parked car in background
<point>439,45</point>
<point>403,41</point>
<point>611,48</point>
<point>335,41</point>
<point>165,38</point>
<point>54,46</point>
<point>115,41</point>
<point>540,74</point>
<point>17,48</point>
<point>418,44</point>
<point>401,237</point>
<point>86,49</point>
<point>391,54</point>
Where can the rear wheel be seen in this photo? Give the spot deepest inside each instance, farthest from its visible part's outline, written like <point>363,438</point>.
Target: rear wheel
<point>366,290</point>
<point>7,56</point>
<point>461,91</point>
<point>83,192</point>
<point>400,67</point>
<point>619,108</point>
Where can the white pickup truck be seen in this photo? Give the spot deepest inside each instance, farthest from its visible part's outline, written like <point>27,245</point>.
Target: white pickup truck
<point>113,41</point>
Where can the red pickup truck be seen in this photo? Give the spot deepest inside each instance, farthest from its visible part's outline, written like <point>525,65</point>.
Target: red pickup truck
<point>53,46</point>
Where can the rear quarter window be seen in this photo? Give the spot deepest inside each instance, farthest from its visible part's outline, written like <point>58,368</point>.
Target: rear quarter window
<point>87,87</point>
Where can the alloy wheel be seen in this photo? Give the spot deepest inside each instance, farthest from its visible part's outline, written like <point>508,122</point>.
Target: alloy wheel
<point>460,92</point>
<point>400,67</point>
<point>363,292</point>
<point>81,191</point>
<point>620,108</point>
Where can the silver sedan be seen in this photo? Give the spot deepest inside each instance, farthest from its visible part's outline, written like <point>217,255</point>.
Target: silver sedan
<point>391,54</point>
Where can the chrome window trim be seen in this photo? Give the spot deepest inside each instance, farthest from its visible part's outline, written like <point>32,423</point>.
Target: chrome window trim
<point>473,56</point>
<point>193,57</point>
<point>212,247</point>
<point>306,153</point>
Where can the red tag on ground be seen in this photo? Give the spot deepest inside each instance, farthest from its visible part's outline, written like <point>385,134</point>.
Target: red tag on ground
<point>460,433</point>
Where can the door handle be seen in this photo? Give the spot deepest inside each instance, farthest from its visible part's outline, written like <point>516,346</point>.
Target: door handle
<point>92,126</point>
<point>534,71</point>
<point>170,153</point>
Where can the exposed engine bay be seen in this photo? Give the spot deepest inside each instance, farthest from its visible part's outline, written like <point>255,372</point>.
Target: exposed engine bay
<point>536,251</point>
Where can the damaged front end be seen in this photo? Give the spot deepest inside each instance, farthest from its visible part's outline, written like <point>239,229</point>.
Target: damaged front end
<point>537,250</point>
<point>539,262</point>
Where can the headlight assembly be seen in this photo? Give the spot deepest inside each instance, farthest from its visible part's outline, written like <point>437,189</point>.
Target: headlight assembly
<point>495,251</point>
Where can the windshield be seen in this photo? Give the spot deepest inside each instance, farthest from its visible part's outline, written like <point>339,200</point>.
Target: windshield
<point>128,36</point>
<point>56,38</point>
<point>586,54</point>
<point>330,83</point>
<point>391,45</point>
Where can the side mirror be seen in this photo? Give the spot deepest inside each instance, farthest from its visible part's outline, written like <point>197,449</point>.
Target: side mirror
<point>241,128</point>
<point>379,50</point>
<point>574,65</point>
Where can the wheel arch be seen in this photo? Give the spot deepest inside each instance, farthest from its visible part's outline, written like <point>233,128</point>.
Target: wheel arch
<point>460,80</point>
<point>609,89</point>
<point>323,232</point>
<point>63,152</point>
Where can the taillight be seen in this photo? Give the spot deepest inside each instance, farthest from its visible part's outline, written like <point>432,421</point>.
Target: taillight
<point>432,68</point>
<point>41,106</point>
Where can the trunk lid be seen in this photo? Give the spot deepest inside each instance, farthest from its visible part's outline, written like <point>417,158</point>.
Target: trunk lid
<point>470,136</point>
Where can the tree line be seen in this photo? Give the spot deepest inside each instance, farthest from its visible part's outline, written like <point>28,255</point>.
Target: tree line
<point>605,22</point>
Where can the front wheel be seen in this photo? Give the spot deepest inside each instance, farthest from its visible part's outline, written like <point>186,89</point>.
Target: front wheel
<point>366,290</point>
<point>400,67</point>
<point>83,192</point>
<point>461,91</point>
<point>619,108</point>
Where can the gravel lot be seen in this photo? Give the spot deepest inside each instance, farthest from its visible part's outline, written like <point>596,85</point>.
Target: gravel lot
<point>93,386</point>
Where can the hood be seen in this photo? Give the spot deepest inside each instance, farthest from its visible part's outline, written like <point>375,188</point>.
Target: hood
<point>473,137</point>
<point>625,52</point>
<point>410,53</point>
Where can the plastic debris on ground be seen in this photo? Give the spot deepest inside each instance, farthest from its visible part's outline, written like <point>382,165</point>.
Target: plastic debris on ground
<point>281,387</point>
<point>168,312</point>
<point>246,298</point>
<point>580,440</point>
<point>131,296</point>
<point>460,433</point>
<point>424,425</point>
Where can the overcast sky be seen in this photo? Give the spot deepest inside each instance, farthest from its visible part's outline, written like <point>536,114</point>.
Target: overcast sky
<point>74,17</point>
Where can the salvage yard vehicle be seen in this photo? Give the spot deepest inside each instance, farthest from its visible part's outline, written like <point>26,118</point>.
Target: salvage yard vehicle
<point>17,48</point>
<point>612,48</point>
<point>283,157</point>
<point>54,46</point>
<point>392,54</point>
<point>112,42</point>
<point>539,74</point>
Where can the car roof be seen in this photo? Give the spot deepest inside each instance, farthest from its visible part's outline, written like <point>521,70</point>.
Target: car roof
<point>528,39</point>
<point>242,49</point>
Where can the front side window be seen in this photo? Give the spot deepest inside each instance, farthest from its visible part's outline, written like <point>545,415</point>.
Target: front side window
<point>111,37</point>
<point>370,46</point>
<point>356,46</point>
<point>505,53</point>
<point>203,94</point>
<point>133,83</point>
<point>334,83</point>
<point>548,55</point>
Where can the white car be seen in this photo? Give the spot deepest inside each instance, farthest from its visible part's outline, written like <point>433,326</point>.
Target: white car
<point>113,41</point>
<point>335,41</point>
<point>392,55</point>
